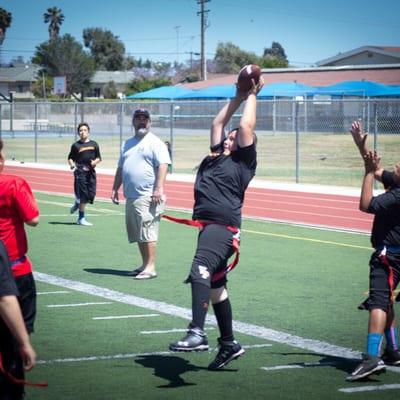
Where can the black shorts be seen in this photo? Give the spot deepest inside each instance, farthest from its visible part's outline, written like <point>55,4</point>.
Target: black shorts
<point>12,363</point>
<point>379,288</point>
<point>27,299</point>
<point>214,248</point>
<point>85,184</point>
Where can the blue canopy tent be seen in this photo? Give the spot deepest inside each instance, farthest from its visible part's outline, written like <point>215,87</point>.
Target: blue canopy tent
<point>211,92</point>
<point>163,92</point>
<point>358,88</point>
<point>286,89</point>
<point>389,91</point>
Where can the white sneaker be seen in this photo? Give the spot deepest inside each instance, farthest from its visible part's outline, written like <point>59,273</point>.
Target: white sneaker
<point>83,222</point>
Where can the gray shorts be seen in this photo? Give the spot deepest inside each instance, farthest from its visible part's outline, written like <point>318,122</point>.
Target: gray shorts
<point>142,218</point>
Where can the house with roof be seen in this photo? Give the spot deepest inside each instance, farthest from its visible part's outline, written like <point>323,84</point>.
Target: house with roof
<point>370,63</point>
<point>101,79</point>
<point>365,55</point>
<point>18,80</point>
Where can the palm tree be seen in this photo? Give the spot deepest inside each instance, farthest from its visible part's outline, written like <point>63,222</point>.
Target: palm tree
<point>5,22</point>
<point>55,18</point>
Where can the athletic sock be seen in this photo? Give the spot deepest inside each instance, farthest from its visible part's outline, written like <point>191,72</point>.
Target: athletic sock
<point>374,342</point>
<point>81,214</point>
<point>223,314</point>
<point>392,338</point>
<point>200,300</point>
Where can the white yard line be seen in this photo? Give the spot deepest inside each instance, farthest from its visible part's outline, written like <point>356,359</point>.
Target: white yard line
<point>262,332</point>
<point>127,316</point>
<point>359,389</point>
<point>53,292</point>
<point>302,365</point>
<point>78,304</point>
<point>125,356</point>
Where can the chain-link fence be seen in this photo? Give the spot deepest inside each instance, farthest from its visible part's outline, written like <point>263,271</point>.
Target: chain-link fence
<point>304,141</point>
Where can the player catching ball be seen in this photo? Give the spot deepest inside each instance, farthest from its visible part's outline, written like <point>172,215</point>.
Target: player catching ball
<point>221,182</point>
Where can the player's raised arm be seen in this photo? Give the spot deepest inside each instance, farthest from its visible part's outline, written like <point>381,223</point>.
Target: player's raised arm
<point>248,120</point>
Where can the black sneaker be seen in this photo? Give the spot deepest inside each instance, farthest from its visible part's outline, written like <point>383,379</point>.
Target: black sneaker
<point>369,365</point>
<point>228,351</point>
<point>391,357</point>
<point>195,340</point>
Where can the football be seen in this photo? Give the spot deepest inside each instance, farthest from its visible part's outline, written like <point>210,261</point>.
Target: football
<point>246,74</point>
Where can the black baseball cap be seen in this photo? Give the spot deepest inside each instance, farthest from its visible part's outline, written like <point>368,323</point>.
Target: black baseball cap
<point>141,111</point>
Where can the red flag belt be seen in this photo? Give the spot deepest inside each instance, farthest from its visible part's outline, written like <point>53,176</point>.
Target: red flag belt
<point>235,241</point>
<point>17,381</point>
<point>386,262</point>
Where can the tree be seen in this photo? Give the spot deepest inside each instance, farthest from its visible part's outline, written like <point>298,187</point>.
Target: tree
<point>230,58</point>
<point>272,63</point>
<point>54,17</point>
<point>142,84</point>
<point>110,90</point>
<point>64,56</point>
<point>42,86</point>
<point>5,22</point>
<point>106,48</point>
<point>274,56</point>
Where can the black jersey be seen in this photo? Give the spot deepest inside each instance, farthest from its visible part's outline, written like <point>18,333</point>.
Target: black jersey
<point>82,153</point>
<point>386,207</point>
<point>221,183</point>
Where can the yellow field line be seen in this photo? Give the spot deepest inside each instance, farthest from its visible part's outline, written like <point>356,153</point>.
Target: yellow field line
<point>308,239</point>
<point>354,246</point>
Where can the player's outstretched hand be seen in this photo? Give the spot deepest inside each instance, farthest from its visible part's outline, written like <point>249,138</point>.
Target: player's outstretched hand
<point>359,137</point>
<point>257,86</point>
<point>372,161</point>
<point>255,89</point>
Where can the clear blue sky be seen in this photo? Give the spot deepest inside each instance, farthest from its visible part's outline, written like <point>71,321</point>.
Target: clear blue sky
<point>308,30</point>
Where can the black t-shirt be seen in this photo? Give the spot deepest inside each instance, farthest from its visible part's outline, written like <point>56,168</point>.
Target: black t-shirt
<point>84,152</point>
<point>221,183</point>
<point>7,283</point>
<point>386,207</point>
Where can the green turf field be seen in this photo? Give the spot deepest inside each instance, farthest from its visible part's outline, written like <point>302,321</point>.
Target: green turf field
<point>294,294</point>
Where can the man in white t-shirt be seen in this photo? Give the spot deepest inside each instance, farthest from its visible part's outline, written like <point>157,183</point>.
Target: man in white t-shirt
<point>142,169</point>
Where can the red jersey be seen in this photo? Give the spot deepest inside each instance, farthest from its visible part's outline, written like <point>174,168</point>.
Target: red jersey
<point>17,205</point>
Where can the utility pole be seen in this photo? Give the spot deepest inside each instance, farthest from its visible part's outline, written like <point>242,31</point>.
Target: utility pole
<point>203,25</point>
<point>177,43</point>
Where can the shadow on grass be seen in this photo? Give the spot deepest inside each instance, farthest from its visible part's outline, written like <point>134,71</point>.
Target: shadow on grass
<point>108,271</point>
<point>169,368</point>
<point>61,223</point>
<point>346,365</point>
